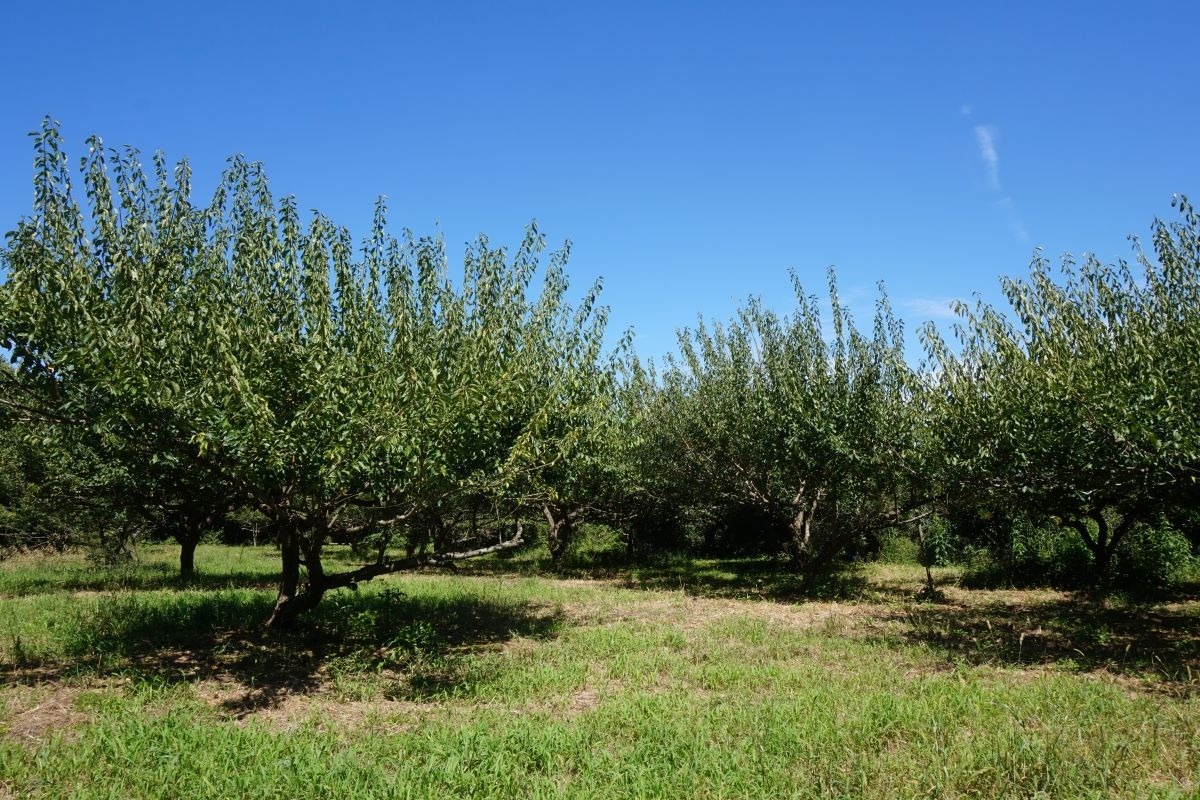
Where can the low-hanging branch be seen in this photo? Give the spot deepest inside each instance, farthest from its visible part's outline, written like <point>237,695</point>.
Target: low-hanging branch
<point>352,578</point>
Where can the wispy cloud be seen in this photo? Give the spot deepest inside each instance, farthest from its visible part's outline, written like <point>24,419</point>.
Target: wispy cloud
<point>986,136</point>
<point>1014,219</point>
<point>986,139</point>
<point>929,308</point>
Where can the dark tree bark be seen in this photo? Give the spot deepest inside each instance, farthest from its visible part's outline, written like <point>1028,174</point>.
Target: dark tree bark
<point>560,530</point>
<point>289,577</point>
<point>188,534</point>
<point>1105,543</point>
<point>187,555</point>
<point>188,524</point>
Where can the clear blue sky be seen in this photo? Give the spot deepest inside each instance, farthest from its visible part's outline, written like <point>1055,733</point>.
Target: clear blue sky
<point>693,152</point>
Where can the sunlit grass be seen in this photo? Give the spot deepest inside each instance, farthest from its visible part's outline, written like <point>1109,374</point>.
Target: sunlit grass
<point>509,685</point>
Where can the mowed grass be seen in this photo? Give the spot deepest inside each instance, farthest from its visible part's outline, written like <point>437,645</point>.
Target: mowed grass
<point>686,679</point>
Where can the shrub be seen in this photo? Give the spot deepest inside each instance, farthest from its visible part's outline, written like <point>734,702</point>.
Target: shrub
<point>1032,554</point>
<point>594,545</point>
<point>1154,558</point>
<point>897,547</point>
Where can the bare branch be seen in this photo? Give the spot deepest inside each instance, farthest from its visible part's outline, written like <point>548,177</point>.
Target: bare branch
<point>365,573</point>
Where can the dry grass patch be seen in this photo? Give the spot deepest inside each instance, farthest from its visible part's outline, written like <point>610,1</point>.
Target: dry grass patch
<point>323,708</point>
<point>35,714</point>
<point>689,612</point>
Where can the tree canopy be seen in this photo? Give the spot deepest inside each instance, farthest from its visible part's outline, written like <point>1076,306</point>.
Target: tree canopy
<point>186,360</point>
<point>819,431</point>
<point>1080,402</point>
<point>234,342</point>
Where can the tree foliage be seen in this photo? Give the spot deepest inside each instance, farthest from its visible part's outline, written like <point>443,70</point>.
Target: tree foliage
<point>822,434</point>
<point>173,362</point>
<point>236,342</point>
<point>1080,402</point>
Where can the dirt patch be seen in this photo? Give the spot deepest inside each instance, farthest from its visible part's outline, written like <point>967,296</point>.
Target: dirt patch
<point>518,646</point>
<point>583,700</point>
<point>385,716</point>
<point>689,613</point>
<point>1011,598</point>
<point>327,712</point>
<point>284,709</point>
<point>36,714</point>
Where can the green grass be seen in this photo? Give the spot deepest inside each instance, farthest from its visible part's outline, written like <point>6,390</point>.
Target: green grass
<point>684,679</point>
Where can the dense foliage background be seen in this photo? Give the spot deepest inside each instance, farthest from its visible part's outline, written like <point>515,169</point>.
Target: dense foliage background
<point>230,369</point>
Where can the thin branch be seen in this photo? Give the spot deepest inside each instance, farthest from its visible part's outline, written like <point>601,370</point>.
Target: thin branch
<point>365,573</point>
<point>360,528</point>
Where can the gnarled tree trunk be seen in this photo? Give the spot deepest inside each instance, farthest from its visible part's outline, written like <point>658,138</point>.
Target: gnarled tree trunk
<point>808,554</point>
<point>559,531</point>
<point>288,539</point>
<point>299,547</point>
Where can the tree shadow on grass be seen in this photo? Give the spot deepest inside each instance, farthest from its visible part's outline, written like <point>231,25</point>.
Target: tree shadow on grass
<point>193,636</point>
<point>748,578</point>
<point>137,577</point>
<point>757,578</point>
<point>1158,643</point>
<point>145,577</point>
<point>232,568</point>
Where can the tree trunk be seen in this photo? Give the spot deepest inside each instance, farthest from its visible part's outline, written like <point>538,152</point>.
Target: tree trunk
<point>385,539</point>
<point>295,541</point>
<point>294,599</point>
<point>926,561</point>
<point>559,532</point>
<point>190,527</point>
<point>811,554</point>
<point>439,533</point>
<point>289,578</point>
<point>813,551</point>
<point>1104,544</point>
<point>314,587</point>
<point>801,529</point>
<point>187,534</point>
<point>187,556</point>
